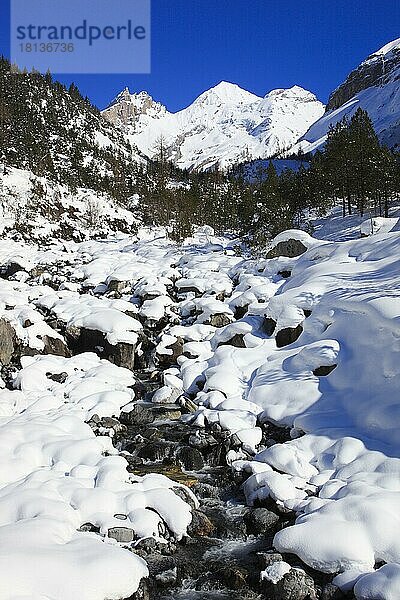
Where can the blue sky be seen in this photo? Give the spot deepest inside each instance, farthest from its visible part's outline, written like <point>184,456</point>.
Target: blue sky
<point>258,44</point>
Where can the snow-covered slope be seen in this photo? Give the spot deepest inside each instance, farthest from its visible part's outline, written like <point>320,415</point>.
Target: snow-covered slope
<point>223,126</point>
<point>37,208</point>
<point>374,86</point>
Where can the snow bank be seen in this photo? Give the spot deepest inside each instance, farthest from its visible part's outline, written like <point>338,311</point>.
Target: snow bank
<point>56,476</point>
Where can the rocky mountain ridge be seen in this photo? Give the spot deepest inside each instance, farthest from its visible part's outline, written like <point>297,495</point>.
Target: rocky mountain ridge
<point>373,86</point>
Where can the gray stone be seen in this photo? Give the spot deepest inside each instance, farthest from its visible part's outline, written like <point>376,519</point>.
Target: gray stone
<point>157,450</point>
<point>237,341</point>
<point>117,286</point>
<point>7,342</point>
<point>265,559</point>
<point>200,524</point>
<point>55,346</point>
<point>190,458</point>
<point>124,535</point>
<point>294,585</point>
<point>219,320</point>
<point>261,520</point>
<point>331,592</point>
<point>289,248</point>
<point>167,577</point>
<point>166,360</point>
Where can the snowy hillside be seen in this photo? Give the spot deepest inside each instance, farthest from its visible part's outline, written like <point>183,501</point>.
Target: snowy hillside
<point>373,86</point>
<point>38,208</point>
<point>224,125</point>
<point>56,133</point>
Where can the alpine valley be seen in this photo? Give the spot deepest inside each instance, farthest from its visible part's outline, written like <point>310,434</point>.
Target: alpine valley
<point>200,342</point>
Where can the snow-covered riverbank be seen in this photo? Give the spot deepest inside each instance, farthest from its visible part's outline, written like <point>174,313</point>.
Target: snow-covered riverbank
<point>309,342</point>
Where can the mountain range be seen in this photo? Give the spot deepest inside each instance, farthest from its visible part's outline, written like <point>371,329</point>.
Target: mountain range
<point>227,125</point>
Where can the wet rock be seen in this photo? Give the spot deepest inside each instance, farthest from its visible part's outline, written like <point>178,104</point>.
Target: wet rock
<point>190,458</point>
<point>206,490</point>
<point>140,390</point>
<point>146,545</point>
<point>235,577</point>
<point>202,441</point>
<point>158,450</point>
<point>168,577</point>
<point>124,535</point>
<point>265,559</point>
<point>139,415</point>
<point>185,495</point>
<point>294,585</point>
<point>200,524</point>
<point>226,524</point>
<point>331,592</point>
<point>170,412</point>
<point>7,342</point>
<point>145,591</point>
<point>261,520</point>
<point>288,335</point>
<point>145,413</point>
<point>110,423</point>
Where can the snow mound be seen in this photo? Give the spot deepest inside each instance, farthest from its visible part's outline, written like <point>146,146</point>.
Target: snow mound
<point>56,476</point>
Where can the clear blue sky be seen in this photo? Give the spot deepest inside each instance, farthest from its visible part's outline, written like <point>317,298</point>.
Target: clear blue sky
<point>258,44</point>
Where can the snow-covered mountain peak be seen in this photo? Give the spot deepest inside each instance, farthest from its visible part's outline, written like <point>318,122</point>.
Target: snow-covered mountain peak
<point>133,109</point>
<point>295,92</point>
<point>226,93</point>
<point>223,126</point>
<point>387,48</point>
